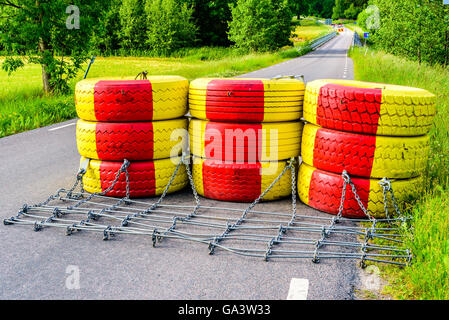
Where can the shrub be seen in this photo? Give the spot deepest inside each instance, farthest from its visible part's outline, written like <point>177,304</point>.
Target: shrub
<point>133,22</point>
<point>416,29</point>
<point>260,25</point>
<point>169,25</point>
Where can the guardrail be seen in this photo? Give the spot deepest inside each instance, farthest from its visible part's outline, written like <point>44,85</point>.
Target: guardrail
<point>322,40</point>
<point>356,41</point>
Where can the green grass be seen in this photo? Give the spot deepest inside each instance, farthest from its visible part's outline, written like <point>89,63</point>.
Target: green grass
<point>26,114</point>
<point>344,21</point>
<point>428,236</point>
<point>428,276</point>
<point>308,30</point>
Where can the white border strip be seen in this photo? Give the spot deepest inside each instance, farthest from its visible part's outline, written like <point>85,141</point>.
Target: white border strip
<point>61,127</point>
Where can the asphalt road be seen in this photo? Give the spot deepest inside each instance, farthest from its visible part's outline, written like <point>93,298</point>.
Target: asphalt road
<point>34,265</point>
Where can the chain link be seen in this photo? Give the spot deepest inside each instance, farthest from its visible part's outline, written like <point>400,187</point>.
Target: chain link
<point>385,183</point>
<point>347,179</point>
<point>282,230</point>
<point>230,227</point>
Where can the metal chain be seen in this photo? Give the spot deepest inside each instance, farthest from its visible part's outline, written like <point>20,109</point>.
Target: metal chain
<point>123,168</point>
<point>25,208</point>
<point>293,171</point>
<point>326,231</point>
<point>79,179</point>
<point>192,184</point>
<point>385,183</point>
<point>164,193</point>
<point>282,229</point>
<point>356,196</point>
<point>143,222</point>
<point>108,232</point>
<point>369,231</point>
<point>230,227</point>
<point>184,161</point>
<point>142,75</point>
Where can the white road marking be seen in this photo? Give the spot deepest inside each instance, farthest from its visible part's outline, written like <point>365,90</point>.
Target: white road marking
<point>345,71</point>
<point>61,127</point>
<point>299,289</point>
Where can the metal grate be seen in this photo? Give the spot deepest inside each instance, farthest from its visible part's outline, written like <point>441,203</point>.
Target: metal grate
<point>244,231</point>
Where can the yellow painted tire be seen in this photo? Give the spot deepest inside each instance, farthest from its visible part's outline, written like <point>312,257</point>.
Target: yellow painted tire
<point>240,182</point>
<point>371,108</point>
<point>246,100</point>
<point>146,178</point>
<point>364,155</point>
<point>322,190</point>
<point>117,141</point>
<point>245,142</point>
<point>126,99</point>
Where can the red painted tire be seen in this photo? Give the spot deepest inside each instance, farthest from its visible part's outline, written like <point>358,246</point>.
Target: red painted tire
<point>146,178</point>
<point>322,190</point>
<point>245,142</point>
<point>246,100</point>
<point>118,100</point>
<point>240,182</point>
<point>130,140</point>
<point>364,155</point>
<point>370,108</point>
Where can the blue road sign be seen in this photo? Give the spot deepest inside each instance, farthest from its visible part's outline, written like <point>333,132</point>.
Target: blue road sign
<point>366,34</point>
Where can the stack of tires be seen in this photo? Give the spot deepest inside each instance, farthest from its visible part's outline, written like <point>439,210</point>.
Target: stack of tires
<point>370,130</point>
<point>244,134</point>
<point>134,120</point>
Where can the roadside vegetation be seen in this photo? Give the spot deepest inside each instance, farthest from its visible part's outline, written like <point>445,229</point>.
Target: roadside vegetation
<point>428,276</point>
<point>415,29</point>
<point>428,236</point>
<point>409,45</point>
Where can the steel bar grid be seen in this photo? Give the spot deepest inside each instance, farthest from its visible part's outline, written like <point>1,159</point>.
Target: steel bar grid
<point>247,231</point>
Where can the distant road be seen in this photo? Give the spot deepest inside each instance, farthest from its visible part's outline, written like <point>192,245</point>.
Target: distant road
<point>330,61</point>
<point>33,265</point>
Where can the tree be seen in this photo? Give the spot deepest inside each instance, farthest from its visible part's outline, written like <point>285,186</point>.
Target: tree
<point>49,33</point>
<point>326,12</point>
<point>299,7</point>
<point>169,25</point>
<point>348,9</point>
<point>416,29</point>
<point>338,11</point>
<point>321,8</point>
<point>351,12</point>
<point>211,18</point>
<point>106,36</point>
<point>260,25</point>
